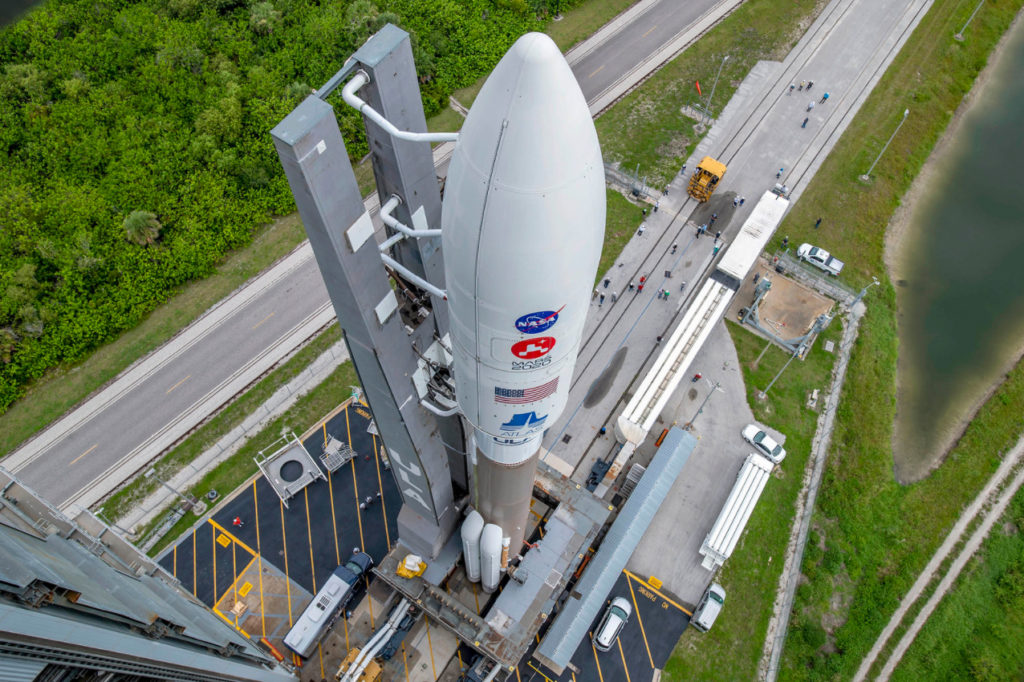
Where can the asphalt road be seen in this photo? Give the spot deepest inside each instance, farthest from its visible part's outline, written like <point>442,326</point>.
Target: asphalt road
<point>129,426</point>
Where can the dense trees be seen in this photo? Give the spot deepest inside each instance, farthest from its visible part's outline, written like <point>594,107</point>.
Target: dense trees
<point>134,145</point>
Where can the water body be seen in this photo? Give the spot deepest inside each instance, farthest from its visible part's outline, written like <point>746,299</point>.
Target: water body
<point>961,270</point>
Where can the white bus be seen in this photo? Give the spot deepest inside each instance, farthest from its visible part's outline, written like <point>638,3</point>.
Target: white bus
<point>327,605</point>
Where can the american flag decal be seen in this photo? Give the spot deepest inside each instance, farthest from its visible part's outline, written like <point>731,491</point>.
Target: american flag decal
<point>521,396</point>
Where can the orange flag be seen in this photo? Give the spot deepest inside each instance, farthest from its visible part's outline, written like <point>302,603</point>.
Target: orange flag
<point>698,88</point>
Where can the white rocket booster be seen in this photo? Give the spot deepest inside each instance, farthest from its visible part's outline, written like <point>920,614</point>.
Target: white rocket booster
<point>523,224</point>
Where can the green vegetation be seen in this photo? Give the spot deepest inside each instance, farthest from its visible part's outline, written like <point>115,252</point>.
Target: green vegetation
<point>885,532</point>
<point>732,650</point>
<point>648,128</point>
<point>232,472</point>
<point>977,629</point>
<point>136,151</point>
<point>214,429</point>
<point>63,388</point>
<point>620,226</point>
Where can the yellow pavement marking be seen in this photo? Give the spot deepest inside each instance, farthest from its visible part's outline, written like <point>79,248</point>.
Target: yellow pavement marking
<point>320,651</point>
<point>596,661</point>
<point>355,487</point>
<point>596,71</point>
<point>259,557</point>
<point>430,644</point>
<point>223,540</point>
<point>649,31</point>
<point>178,384</point>
<point>517,674</point>
<point>174,552</point>
<point>85,453</point>
<point>263,320</point>
<point>213,557</point>
<point>643,632</point>
<point>647,585</point>
<point>234,587</point>
<point>476,596</point>
<point>405,662</point>
<point>246,587</point>
<point>288,578</point>
<point>537,670</point>
<point>235,540</point>
<point>334,523</point>
<point>625,666</point>
<point>380,484</point>
<point>309,534</point>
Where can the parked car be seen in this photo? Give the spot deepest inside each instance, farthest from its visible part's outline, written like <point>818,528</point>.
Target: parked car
<point>820,258</point>
<point>709,607</point>
<point>612,622</point>
<point>756,436</point>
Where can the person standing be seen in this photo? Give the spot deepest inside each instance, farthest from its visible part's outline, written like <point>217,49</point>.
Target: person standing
<point>802,84</point>
<point>631,285</point>
<point>824,98</point>
<point>744,199</point>
<point>792,87</point>
<point>674,247</point>
<point>804,124</point>
<point>615,296</point>
<point>810,105</point>
<point>643,227</point>
<point>600,300</point>
<point>817,223</point>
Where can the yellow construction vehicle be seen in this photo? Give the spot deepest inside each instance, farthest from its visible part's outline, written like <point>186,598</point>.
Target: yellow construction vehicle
<point>705,179</point>
<point>371,673</point>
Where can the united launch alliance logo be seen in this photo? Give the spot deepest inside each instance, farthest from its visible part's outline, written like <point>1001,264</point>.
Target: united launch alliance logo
<point>530,349</point>
<point>522,396</point>
<point>523,420</point>
<point>535,323</point>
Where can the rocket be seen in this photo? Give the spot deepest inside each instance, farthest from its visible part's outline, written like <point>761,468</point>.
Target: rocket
<point>522,227</point>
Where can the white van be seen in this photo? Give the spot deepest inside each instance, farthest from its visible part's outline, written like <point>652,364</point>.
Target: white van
<point>612,622</point>
<point>707,610</point>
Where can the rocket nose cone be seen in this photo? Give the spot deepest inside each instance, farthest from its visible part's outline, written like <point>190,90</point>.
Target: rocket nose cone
<point>535,49</point>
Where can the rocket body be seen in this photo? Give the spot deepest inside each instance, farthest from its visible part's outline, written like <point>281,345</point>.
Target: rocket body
<point>522,228</point>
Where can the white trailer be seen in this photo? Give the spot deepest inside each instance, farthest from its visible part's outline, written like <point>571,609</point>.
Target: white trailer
<point>721,541</point>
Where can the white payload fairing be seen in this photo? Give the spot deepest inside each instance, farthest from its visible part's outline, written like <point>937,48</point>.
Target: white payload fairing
<point>522,228</point>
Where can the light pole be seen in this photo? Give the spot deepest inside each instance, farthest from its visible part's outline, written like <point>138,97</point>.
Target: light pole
<point>959,35</point>
<point>717,386</point>
<point>867,176</point>
<point>152,472</point>
<point>99,515</point>
<point>864,291</point>
<point>707,109</point>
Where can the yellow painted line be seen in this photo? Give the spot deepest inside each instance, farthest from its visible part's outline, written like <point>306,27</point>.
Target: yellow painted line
<point>223,540</point>
<point>359,512</point>
<point>625,666</point>
<point>334,523</point>
<point>643,632</point>
<point>309,534</point>
<point>270,315</point>
<point>246,588</point>
<point>238,542</point>
<point>85,453</point>
<point>320,651</point>
<point>517,674</point>
<point>596,661</point>
<point>430,644</point>
<point>369,602</point>
<point>573,675</point>
<point>213,536</point>
<point>234,580</point>
<point>596,71</point>
<point>325,433</point>
<point>476,597</point>
<point>287,576</point>
<point>649,31</point>
<point>234,585</point>
<point>380,484</point>
<point>405,662</point>
<point>174,553</point>
<point>458,652</point>
<point>178,384</point>
<point>648,586</point>
<point>259,557</point>
<point>536,670</point>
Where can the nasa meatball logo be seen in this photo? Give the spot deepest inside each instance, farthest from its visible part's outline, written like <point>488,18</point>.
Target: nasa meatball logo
<point>535,323</point>
<point>530,349</point>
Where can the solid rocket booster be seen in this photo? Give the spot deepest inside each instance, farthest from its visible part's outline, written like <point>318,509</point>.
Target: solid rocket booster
<point>522,227</point>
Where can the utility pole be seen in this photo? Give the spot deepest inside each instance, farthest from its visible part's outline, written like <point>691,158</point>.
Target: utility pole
<point>867,176</point>
<point>707,109</point>
<point>717,386</point>
<point>959,35</point>
<point>188,501</point>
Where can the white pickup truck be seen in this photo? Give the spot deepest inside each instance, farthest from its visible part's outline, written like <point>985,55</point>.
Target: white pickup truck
<point>821,258</point>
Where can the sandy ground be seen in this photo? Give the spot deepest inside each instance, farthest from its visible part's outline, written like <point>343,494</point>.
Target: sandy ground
<point>896,239</point>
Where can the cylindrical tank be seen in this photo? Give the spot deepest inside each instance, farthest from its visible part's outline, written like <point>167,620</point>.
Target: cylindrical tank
<point>523,223</point>
<point>472,527</point>
<point>490,557</point>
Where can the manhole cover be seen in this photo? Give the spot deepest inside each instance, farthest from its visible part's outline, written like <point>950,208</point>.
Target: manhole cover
<point>291,470</point>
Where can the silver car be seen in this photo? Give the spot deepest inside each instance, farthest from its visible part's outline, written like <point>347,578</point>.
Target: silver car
<point>612,622</point>
<point>757,437</point>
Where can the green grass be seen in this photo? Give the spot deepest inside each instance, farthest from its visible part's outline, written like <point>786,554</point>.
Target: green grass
<point>886,532</point>
<point>732,649</point>
<point>67,385</point>
<point>308,411</point>
<point>575,25</point>
<point>213,430</point>
<point>976,631</point>
<point>623,218</point>
<point>647,128</point>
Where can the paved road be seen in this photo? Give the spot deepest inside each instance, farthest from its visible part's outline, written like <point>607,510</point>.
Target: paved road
<point>119,431</point>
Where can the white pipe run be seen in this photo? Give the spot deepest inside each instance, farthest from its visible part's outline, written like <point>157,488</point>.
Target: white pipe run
<point>348,93</point>
<point>377,642</point>
<point>389,220</point>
